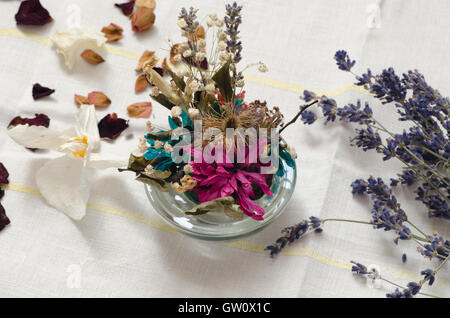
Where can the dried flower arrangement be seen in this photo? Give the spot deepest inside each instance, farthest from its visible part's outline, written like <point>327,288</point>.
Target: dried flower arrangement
<point>423,149</point>
<point>207,101</point>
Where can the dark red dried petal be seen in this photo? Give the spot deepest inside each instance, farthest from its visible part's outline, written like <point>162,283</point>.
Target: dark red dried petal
<point>2,193</point>
<point>31,12</point>
<point>3,174</point>
<point>203,64</point>
<point>38,120</point>
<point>111,126</point>
<point>41,91</point>
<point>4,221</point>
<point>126,7</point>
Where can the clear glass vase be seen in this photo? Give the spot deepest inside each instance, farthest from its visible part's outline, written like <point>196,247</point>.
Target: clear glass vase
<point>216,226</point>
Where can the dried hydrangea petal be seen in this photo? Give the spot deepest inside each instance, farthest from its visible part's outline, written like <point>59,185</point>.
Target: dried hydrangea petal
<point>126,7</point>
<point>3,174</point>
<point>4,221</point>
<point>141,84</point>
<point>31,12</point>
<point>111,126</point>
<point>81,100</point>
<point>98,99</point>
<point>38,120</point>
<point>148,57</point>
<point>142,19</point>
<point>151,4</point>
<point>140,110</point>
<point>112,32</point>
<point>92,57</point>
<point>41,91</point>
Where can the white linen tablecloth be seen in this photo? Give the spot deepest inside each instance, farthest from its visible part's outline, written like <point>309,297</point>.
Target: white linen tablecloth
<point>122,248</point>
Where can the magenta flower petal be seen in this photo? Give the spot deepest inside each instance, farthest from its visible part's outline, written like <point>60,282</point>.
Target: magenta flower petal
<point>111,126</point>
<point>41,91</point>
<point>126,7</point>
<point>31,12</point>
<point>3,174</point>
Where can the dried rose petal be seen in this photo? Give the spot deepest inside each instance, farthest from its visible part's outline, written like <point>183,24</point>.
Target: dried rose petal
<point>4,221</point>
<point>174,50</point>
<point>151,4</point>
<point>146,58</point>
<point>111,126</point>
<point>143,19</point>
<point>92,57</point>
<point>98,99</point>
<point>38,120</point>
<point>31,12</point>
<point>41,91</point>
<point>140,110</point>
<point>80,100</point>
<point>126,7</point>
<point>141,84</point>
<point>200,32</point>
<point>112,32</point>
<point>3,174</point>
<point>2,193</point>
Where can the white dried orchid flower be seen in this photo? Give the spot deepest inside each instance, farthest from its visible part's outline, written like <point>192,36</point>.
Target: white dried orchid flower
<point>65,182</point>
<point>70,42</point>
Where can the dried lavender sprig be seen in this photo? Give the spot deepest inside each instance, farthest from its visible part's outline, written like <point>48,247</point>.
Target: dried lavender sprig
<point>296,232</point>
<point>190,18</point>
<point>424,149</point>
<point>293,233</point>
<point>232,21</point>
<point>412,288</point>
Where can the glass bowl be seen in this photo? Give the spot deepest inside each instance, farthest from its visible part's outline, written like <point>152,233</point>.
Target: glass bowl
<point>216,226</point>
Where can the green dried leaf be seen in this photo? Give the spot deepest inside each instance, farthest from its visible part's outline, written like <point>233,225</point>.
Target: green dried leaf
<point>179,81</point>
<point>137,164</point>
<point>165,135</point>
<point>159,184</point>
<point>223,81</point>
<point>163,100</point>
<point>234,212</point>
<point>159,174</point>
<point>225,205</point>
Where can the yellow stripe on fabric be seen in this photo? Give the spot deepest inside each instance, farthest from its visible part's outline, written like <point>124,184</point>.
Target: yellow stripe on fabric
<point>247,246</point>
<point>135,56</point>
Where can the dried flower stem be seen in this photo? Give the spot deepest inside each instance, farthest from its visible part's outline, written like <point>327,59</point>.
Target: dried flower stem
<point>297,116</point>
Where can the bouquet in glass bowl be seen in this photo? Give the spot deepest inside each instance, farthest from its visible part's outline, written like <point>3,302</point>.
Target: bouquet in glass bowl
<point>222,153</point>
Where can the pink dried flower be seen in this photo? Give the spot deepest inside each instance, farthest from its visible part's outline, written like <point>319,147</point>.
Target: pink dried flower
<point>215,180</point>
